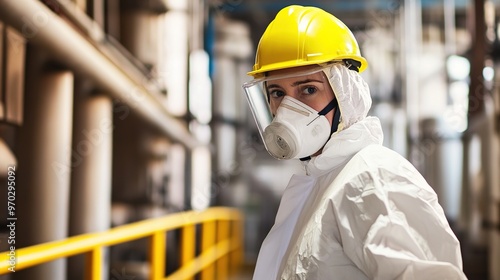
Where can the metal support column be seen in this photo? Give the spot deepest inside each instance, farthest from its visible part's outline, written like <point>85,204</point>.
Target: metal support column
<point>44,166</point>
<point>90,206</point>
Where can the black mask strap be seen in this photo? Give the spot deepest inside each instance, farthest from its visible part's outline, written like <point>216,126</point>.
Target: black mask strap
<point>329,107</point>
<point>336,119</point>
<point>336,116</point>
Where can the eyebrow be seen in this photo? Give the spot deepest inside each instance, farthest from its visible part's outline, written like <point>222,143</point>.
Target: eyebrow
<point>296,83</point>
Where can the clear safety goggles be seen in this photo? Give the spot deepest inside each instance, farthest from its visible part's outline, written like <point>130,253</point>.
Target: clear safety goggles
<point>258,96</point>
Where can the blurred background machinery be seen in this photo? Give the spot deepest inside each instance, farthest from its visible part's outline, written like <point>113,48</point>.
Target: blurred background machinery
<point>116,111</point>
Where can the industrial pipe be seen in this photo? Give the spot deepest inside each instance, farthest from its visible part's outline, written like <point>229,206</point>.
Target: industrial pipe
<point>42,27</point>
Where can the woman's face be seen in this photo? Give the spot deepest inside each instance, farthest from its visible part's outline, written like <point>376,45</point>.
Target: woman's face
<point>313,90</point>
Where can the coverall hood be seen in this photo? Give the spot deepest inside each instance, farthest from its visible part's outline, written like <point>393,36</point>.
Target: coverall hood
<point>352,93</point>
<point>356,130</point>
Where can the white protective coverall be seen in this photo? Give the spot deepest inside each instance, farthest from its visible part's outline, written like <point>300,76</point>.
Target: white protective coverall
<point>361,211</point>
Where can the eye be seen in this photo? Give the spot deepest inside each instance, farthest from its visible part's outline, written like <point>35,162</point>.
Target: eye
<point>309,90</point>
<point>276,93</point>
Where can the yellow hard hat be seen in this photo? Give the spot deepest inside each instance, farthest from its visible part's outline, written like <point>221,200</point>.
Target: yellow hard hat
<point>301,36</point>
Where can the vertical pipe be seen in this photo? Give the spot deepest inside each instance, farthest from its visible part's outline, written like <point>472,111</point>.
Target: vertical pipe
<point>14,56</point>
<point>481,107</point>
<point>2,71</point>
<point>176,186</point>
<point>477,58</point>
<point>478,121</point>
<point>91,172</point>
<point>96,11</point>
<point>491,193</point>
<point>197,19</point>
<point>140,30</point>
<point>466,193</point>
<point>224,131</point>
<point>174,69</point>
<point>412,39</point>
<point>112,18</point>
<point>476,29</point>
<point>188,180</point>
<point>449,27</point>
<point>44,161</point>
<point>201,188</point>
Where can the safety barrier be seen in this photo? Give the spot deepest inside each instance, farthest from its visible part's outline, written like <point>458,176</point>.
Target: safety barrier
<point>220,245</point>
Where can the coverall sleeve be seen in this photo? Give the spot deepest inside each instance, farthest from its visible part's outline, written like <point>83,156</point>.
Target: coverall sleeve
<point>392,227</point>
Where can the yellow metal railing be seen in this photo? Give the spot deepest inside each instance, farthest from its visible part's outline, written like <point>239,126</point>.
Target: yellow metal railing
<point>221,245</point>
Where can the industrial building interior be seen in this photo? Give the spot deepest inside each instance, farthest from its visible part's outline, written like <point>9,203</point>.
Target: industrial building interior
<point>116,112</point>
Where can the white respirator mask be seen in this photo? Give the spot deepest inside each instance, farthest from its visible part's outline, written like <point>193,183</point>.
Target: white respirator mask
<point>296,130</point>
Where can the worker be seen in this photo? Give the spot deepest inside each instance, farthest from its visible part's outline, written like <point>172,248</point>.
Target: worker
<point>360,211</point>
